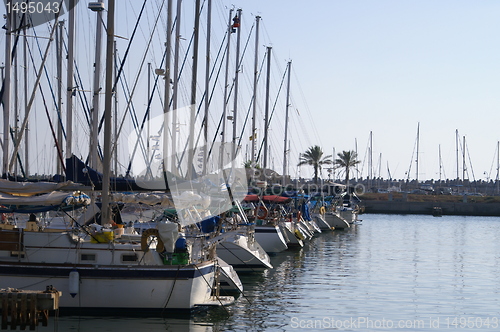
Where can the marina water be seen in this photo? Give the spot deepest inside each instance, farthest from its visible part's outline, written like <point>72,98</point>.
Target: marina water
<point>390,273</point>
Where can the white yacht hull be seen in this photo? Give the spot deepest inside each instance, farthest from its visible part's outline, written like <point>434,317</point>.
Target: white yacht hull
<point>336,221</point>
<point>270,239</point>
<point>292,234</point>
<point>243,254</point>
<point>112,287</point>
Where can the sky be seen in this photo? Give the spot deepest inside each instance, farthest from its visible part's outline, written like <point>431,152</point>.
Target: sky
<point>360,69</point>
<point>387,67</point>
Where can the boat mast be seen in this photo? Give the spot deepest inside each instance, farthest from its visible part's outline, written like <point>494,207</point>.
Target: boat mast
<point>26,134</point>
<point>463,161</point>
<point>69,80</point>
<point>95,97</point>
<point>418,146</point>
<point>266,118</point>
<point>15,66</point>
<point>456,144</point>
<point>236,79</point>
<point>498,167</point>
<point>226,85</point>
<point>59,45</point>
<point>108,105</point>
<point>255,79</point>
<point>175,92</point>
<point>285,149</point>
<point>115,97</point>
<point>166,103</point>
<point>194,79</point>
<point>370,161</point>
<point>440,163</point>
<point>6,92</point>
<point>207,88</point>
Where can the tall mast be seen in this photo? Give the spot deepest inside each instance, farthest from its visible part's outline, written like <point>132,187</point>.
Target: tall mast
<point>59,38</point>
<point>15,66</point>
<point>285,149</point>
<point>115,98</point>
<point>498,167</point>
<point>148,128</point>
<point>370,161</point>
<point>166,103</point>
<point>69,80</point>
<point>226,86</point>
<point>463,161</point>
<point>26,134</point>
<point>440,165</point>
<point>96,93</point>
<point>418,146</point>
<point>194,79</point>
<point>108,103</point>
<point>236,76</point>
<point>6,92</point>
<point>456,143</point>
<point>266,118</point>
<point>255,77</point>
<point>175,92</point>
<point>333,168</point>
<point>355,150</point>
<point>207,88</point>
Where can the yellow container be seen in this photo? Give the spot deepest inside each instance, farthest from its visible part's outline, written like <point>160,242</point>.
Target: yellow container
<point>102,237</point>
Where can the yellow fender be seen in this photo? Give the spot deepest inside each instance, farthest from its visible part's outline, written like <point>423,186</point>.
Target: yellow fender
<point>299,235</point>
<point>322,210</point>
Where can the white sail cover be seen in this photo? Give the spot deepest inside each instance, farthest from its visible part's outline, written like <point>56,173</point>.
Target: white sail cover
<point>34,188</point>
<point>51,199</point>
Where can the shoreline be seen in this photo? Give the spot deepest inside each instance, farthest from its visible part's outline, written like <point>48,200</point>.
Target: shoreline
<point>399,203</point>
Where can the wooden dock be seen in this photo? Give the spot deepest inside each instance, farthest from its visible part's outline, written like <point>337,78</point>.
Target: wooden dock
<point>22,308</point>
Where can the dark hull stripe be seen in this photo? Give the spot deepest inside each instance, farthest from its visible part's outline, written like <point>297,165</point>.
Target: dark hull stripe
<point>266,230</point>
<point>181,272</point>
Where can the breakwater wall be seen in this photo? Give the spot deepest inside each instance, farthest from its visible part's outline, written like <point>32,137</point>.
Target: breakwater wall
<point>448,208</point>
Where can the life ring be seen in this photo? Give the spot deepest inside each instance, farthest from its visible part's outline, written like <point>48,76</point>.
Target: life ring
<point>160,247</point>
<point>322,210</point>
<point>257,214</point>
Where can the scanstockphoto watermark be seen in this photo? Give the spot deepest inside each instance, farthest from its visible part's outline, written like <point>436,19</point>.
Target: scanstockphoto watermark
<point>204,179</point>
<point>364,322</point>
<point>33,13</point>
<point>356,323</point>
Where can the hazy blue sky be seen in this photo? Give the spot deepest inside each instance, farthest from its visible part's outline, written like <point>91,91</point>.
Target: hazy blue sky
<point>358,67</point>
<point>385,65</point>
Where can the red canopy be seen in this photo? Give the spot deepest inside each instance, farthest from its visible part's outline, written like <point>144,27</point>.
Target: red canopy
<point>268,199</point>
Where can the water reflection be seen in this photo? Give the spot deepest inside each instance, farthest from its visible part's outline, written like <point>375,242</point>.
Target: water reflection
<point>398,268</point>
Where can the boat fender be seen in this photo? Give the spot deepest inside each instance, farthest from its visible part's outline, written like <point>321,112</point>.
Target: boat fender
<point>299,216</point>
<point>74,282</point>
<point>160,247</point>
<point>299,235</point>
<point>322,210</point>
<point>264,214</point>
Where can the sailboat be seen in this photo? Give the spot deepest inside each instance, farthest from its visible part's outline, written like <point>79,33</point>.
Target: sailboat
<point>97,267</point>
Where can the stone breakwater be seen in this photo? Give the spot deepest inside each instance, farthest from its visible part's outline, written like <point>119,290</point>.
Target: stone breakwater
<point>447,208</point>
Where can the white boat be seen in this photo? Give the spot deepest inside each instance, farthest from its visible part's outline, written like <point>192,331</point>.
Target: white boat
<point>229,281</point>
<point>243,252</point>
<point>348,214</point>
<point>110,275</point>
<point>293,236</point>
<point>335,221</point>
<point>321,222</point>
<point>270,238</point>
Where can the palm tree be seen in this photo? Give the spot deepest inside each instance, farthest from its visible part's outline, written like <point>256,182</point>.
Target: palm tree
<point>347,160</point>
<point>314,157</point>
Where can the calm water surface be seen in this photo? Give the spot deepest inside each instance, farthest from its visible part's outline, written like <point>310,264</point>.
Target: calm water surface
<point>391,273</point>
